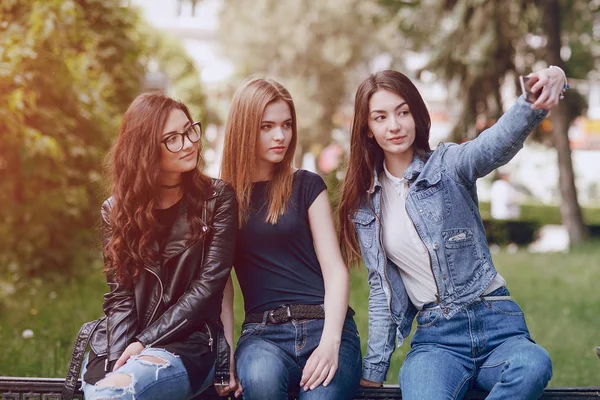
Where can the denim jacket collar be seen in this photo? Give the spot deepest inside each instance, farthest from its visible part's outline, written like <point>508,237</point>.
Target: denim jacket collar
<point>414,169</point>
<point>411,173</point>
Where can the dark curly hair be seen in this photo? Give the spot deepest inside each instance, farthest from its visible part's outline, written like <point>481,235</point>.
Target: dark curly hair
<point>133,166</point>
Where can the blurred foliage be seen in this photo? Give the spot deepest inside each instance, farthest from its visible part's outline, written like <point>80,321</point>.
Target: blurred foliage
<point>490,42</point>
<point>183,77</point>
<point>475,45</point>
<point>544,213</point>
<point>313,48</point>
<point>510,231</point>
<point>68,71</point>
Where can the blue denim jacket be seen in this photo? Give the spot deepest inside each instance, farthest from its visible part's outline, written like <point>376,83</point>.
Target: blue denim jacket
<point>442,204</point>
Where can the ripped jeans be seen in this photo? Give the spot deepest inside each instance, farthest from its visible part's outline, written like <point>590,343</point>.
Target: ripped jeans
<point>147,380</point>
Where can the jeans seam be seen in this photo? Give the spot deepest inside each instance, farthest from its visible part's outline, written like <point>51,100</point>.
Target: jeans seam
<point>493,366</point>
<point>304,333</point>
<point>465,380</point>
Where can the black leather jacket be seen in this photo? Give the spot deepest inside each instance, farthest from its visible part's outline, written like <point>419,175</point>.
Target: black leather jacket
<point>189,300</point>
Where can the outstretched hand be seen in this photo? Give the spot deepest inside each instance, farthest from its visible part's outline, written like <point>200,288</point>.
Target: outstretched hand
<point>550,82</point>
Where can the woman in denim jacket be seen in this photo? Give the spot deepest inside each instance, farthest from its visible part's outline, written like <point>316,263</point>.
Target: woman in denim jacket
<point>412,214</point>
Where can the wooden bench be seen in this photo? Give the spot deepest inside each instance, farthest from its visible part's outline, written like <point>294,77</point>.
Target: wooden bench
<point>14,388</point>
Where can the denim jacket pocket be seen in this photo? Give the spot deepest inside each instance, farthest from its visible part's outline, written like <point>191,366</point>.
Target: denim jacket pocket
<point>434,201</point>
<point>461,256</point>
<point>364,223</point>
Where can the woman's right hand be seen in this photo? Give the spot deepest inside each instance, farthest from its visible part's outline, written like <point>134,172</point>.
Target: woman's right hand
<point>133,349</point>
<point>368,383</point>
<point>550,81</point>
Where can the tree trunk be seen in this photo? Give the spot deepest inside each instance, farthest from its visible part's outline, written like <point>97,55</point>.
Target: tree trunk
<point>569,208</point>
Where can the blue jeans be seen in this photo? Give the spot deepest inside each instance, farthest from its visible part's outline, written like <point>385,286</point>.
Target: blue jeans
<point>486,346</point>
<point>148,380</point>
<point>270,359</point>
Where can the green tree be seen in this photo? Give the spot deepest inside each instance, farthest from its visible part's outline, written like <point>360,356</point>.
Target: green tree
<point>68,70</point>
<point>474,45</point>
<point>572,31</point>
<point>183,77</point>
<point>313,47</point>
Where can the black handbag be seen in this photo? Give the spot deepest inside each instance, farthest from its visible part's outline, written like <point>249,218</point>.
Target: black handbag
<point>87,329</point>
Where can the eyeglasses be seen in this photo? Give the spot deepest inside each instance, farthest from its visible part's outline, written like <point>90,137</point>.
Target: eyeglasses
<point>174,143</point>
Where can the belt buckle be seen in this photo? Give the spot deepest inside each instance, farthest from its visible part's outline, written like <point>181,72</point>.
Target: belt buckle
<point>287,317</point>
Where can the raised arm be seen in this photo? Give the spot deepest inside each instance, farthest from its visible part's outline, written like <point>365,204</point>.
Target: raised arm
<point>497,145</point>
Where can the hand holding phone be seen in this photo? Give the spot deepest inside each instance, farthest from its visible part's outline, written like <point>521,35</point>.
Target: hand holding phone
<point>527,83</point>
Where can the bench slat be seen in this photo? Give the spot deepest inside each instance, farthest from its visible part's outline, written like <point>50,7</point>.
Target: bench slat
<point>20,388</point>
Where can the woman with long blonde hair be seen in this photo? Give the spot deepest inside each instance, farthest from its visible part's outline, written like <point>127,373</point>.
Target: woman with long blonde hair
<point>298,327</point>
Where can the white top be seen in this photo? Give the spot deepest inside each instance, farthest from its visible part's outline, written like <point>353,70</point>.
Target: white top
<point>404,247</point>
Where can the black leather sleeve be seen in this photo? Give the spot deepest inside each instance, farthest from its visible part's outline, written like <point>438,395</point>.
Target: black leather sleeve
<point>119,303</point>
<point>203,299</point>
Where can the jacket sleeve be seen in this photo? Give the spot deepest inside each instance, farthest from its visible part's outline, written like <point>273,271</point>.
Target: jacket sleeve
<point>382,333</point>
<point>496,145</point>
<point>206,291</point>
<point>119,303</point>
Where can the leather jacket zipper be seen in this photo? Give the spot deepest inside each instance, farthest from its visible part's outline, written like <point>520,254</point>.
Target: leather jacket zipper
<point>210,338</point>
<point>161,295</point>
<point>168,333</point>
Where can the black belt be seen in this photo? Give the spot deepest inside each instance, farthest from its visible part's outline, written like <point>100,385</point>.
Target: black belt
<point>283,314</point>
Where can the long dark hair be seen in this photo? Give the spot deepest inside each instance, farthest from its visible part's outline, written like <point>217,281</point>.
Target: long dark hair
<point>133,166</point>
<point>365,154</point>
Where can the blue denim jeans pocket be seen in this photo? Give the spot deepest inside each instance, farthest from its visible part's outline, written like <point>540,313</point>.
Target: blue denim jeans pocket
<point>427,318</point>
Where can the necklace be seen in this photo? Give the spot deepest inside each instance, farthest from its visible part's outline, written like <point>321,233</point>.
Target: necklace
<point>171,186</point>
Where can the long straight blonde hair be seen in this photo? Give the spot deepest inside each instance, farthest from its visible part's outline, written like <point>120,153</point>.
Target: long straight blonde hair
<point>240,159</point>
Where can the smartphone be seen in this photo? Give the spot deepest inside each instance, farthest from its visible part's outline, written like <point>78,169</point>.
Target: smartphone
<point>526,85</point>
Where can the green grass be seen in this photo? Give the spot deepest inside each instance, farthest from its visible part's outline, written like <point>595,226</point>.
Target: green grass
<point>558,292</point>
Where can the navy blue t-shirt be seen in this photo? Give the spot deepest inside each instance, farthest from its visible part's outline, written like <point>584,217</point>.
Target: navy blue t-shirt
<point>277,264</point>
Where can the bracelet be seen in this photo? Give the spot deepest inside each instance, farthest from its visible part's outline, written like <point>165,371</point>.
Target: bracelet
<point>566,85</point>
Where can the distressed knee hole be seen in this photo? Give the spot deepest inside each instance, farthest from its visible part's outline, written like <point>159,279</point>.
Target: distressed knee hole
<point>115,380</point>
<point>153,360</point>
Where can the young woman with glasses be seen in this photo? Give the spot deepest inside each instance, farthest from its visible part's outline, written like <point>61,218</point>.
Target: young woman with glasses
<point>168,234</point>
